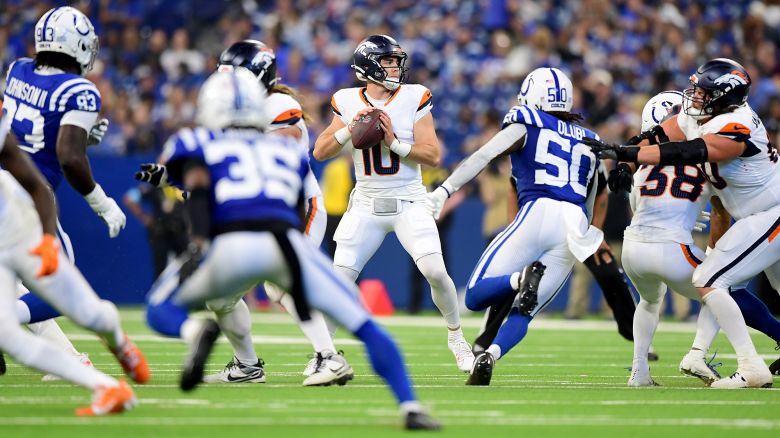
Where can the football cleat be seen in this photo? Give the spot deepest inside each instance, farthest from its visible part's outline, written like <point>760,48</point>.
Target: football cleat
<point>311,367</point>
<point>751,373</point>
<point>421,421</point>
<point>83,358</point>
<point>109,400</point>
<point>774,368</point>
<point>331,368</point>
<point>482,370</point>
<point>639,380</point>
<point>652,356</point>
<point>133,361</point>
<point>3,367</point>
<point>528,288</point>
<point>237,372</point>
<point>194,364</point>
<point>457,344</point>
<point>693,364</point>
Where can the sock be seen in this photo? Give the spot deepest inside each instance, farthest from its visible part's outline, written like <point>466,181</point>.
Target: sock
<point>493,320</point>
<point>729,317</point>
<point>315,329</point>
<point>39,310</point>
<point>495,351</point>
<point>489,291</point>
<point>386,360</point>
<point>349,274</point>
<point>166,318</point>
<point>190,329</point>
<point>410,406</point>
<point>512,331</point>
<point>236,324</point>
<point>757,314</point>
<point>706,330</point>
<point>443,291</point>
<point>51,330</point>
<point>646,318</point>
<point>22,312</point>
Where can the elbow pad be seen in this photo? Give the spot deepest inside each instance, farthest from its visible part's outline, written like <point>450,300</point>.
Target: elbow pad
<point>675,153</point>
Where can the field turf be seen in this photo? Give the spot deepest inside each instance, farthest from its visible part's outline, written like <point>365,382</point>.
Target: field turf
<point>566,379</point>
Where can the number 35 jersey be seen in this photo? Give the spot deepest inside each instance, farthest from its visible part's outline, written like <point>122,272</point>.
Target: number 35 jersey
<point>254,177</point>
<point>553,163</point>
<point>39,101</point>
<point>747,184</point>
<point>380,172</point>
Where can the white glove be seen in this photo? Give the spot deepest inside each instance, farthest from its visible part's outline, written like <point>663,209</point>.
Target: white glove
<point>434,201</point>
<point>97,132</point>
<point>702,221</point>
<point>107,209</point>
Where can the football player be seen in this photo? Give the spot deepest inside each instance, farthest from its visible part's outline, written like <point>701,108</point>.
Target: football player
<point>718,131</point>
<point>555,174</point>
<point>389,191</point>
<point>246,199</point>
<point>54,112</point>
<point>29,251</point>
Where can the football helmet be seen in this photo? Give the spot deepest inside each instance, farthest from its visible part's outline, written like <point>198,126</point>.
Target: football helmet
<point>547,89</point>
<point>365,61</point>
<point>66,30</point>
<point>725,84</point>
<point>255,57</point>
<point>660,107</point>
<point>231,98</point>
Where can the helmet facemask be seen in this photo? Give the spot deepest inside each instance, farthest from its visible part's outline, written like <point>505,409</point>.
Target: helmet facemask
<point>379,74</point>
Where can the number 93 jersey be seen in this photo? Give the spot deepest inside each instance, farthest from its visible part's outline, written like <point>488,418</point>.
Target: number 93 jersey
<point>666,201</point>
<point>553,163</point>
<point>380,172</point>
<point>38,102</point>
<point>254,177</point>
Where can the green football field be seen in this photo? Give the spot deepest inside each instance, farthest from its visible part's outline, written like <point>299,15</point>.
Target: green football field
<point>566,379</point>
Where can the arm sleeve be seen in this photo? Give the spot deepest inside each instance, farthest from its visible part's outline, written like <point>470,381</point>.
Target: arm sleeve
<point>474,164</point>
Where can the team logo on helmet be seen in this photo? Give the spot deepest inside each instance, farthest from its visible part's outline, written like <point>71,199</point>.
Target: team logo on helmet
<point>732,80</point>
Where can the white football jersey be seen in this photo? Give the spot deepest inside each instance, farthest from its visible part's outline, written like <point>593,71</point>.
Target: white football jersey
<point>666,201</point>
<point>750,183</point>
<point>17,210</point>
<point>378,171</point>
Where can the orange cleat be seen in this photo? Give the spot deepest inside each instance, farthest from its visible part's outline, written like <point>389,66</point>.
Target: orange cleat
<point>133,361</point>
<point>109,400</point>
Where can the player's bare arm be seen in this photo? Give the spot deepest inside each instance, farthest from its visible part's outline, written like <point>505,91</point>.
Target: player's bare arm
<point>720,221</point>
<point>426,149</point>
<point>72,154</point>
<point>196,180</point>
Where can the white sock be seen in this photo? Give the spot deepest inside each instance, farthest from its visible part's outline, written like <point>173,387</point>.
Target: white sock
<point>191,329</point>
<point>443,291</point>
<point>236,324</point>
<point>645,323</point>
<point>315,329</point>
<point>495,351</point>
<point>410,406</point>
<point>514,280</point>
<point>730,318</point>
<point>51,330</point>
<point>22,312</point>
<point>706,329</point>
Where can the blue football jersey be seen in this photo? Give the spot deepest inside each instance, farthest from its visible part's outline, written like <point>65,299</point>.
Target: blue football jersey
<point>36,103</point>
<point>254,177</point>
<point>553,163</point>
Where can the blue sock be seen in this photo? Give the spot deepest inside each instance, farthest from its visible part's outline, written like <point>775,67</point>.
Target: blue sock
<point>39,310</point>
<point>756,314</point>
<point>489,291</point>
<point>512,331</point>
<point>386,360</point>
<point>166,318</point>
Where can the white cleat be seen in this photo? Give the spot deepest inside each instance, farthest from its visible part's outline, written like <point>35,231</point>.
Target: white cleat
<point>693,364</point>
<point>457,344</point>
<point>751,373</point>
<point>83,358</point>
<point>641,379</point>
<point>237,372</point>
<point>311,367</point>
<point>331,368</point>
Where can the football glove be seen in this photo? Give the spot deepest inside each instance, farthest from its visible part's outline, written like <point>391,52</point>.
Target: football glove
<point>434,201</point>
<point>154,174</point>
<point>107,209</point>
<point>620,178</point>
<point>608,151</point>
<point>97,132</point>
<point>48,250</point>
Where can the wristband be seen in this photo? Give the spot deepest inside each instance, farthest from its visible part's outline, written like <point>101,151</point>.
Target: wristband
<point>343,135</point>
<point>96,197</point>
<point>400,148</point>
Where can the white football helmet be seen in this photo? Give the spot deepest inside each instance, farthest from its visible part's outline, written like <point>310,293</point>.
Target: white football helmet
<point>231,98</point>
<point>547,89</point>
<point>66,30</point>
<point>658,108</point>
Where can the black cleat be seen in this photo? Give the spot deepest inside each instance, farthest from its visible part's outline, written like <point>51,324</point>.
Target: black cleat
<point>482,370</point>
<point>527,292</point>
<point>194,364</point>
<point>421,421</point>
<point>652,356</point>
<point>3,368</point>
<point>774,368</point>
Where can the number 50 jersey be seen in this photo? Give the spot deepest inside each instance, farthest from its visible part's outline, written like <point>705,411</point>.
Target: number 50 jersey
<point>553,163</point>
<point>254,177</point>
<point>38,102</point>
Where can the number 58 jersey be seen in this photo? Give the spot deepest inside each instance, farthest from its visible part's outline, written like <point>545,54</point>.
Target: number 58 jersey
<point>38,102</point>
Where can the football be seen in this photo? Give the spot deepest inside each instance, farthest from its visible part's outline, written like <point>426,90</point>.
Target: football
<point>367,131</point>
